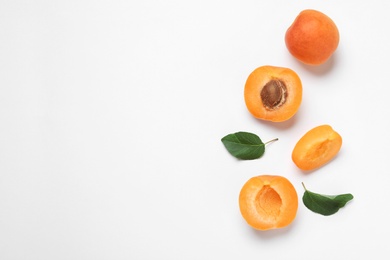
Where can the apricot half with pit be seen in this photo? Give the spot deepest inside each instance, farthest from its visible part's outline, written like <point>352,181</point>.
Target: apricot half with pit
<point>312,38</point>
<point>273,93</point>
<point>268,202</point>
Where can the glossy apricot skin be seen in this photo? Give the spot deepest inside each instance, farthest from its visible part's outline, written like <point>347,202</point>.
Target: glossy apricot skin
<point>258,79</point>
<point>268,202</point>
<point>312,38</point>
<point>316,148</point>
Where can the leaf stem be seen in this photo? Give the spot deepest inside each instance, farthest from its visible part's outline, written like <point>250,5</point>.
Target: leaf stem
<point>273,140</point>
<point>304,186</point>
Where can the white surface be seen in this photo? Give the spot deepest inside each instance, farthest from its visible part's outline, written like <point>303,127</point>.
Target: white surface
<point>112,114</point>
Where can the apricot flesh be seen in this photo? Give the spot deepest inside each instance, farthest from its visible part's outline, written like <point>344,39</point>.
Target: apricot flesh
<point>268,202</point>
<point>312,38</point>
<point>273,93</point>
<point>316,148</point>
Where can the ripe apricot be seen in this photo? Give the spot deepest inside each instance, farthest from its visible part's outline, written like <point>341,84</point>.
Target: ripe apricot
<point>268,202</point>
<point>273,93</point>
<point>312,38</point>
<point>317,147</point>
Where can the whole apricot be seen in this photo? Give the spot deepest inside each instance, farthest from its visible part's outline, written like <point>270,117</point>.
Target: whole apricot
<point>273,93</point>
<point>268,202</point>
<point>316,148</point>
<point>312,38</point>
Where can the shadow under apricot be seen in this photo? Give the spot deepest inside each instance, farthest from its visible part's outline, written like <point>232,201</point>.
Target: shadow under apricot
<point>272,233</point>
<point>323,69</point>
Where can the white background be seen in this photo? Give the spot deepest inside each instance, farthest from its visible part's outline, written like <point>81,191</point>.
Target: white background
<point>111,115</point>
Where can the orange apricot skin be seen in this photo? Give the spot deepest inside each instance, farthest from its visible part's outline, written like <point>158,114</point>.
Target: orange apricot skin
<point>257,80</point>
<point>279,198</point>
<point>316,148</point>
<point>312,38</point>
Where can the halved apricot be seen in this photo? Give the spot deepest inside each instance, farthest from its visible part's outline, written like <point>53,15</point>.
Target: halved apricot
<point>273,93</point>
<point>268,202</point>
<point>316,148</point>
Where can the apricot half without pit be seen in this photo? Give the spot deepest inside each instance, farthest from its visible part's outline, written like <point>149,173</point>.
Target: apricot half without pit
<point>316,148</point>
<point>268,202</point>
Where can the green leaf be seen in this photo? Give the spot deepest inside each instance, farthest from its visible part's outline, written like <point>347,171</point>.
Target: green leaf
<point>325,204</point>
<point>244,145</point>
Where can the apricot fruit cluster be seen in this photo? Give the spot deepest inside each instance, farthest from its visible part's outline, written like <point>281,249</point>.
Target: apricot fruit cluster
<point>274,94</point>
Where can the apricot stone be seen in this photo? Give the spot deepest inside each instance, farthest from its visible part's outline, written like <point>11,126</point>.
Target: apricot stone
<point>312,38</point>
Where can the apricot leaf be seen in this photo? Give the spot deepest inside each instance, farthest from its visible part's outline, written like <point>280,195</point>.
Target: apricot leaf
<point>244,145</point>
<point>325,204</point>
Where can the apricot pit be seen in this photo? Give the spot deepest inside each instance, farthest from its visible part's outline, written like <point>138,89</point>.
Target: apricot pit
<point>274,94</point>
